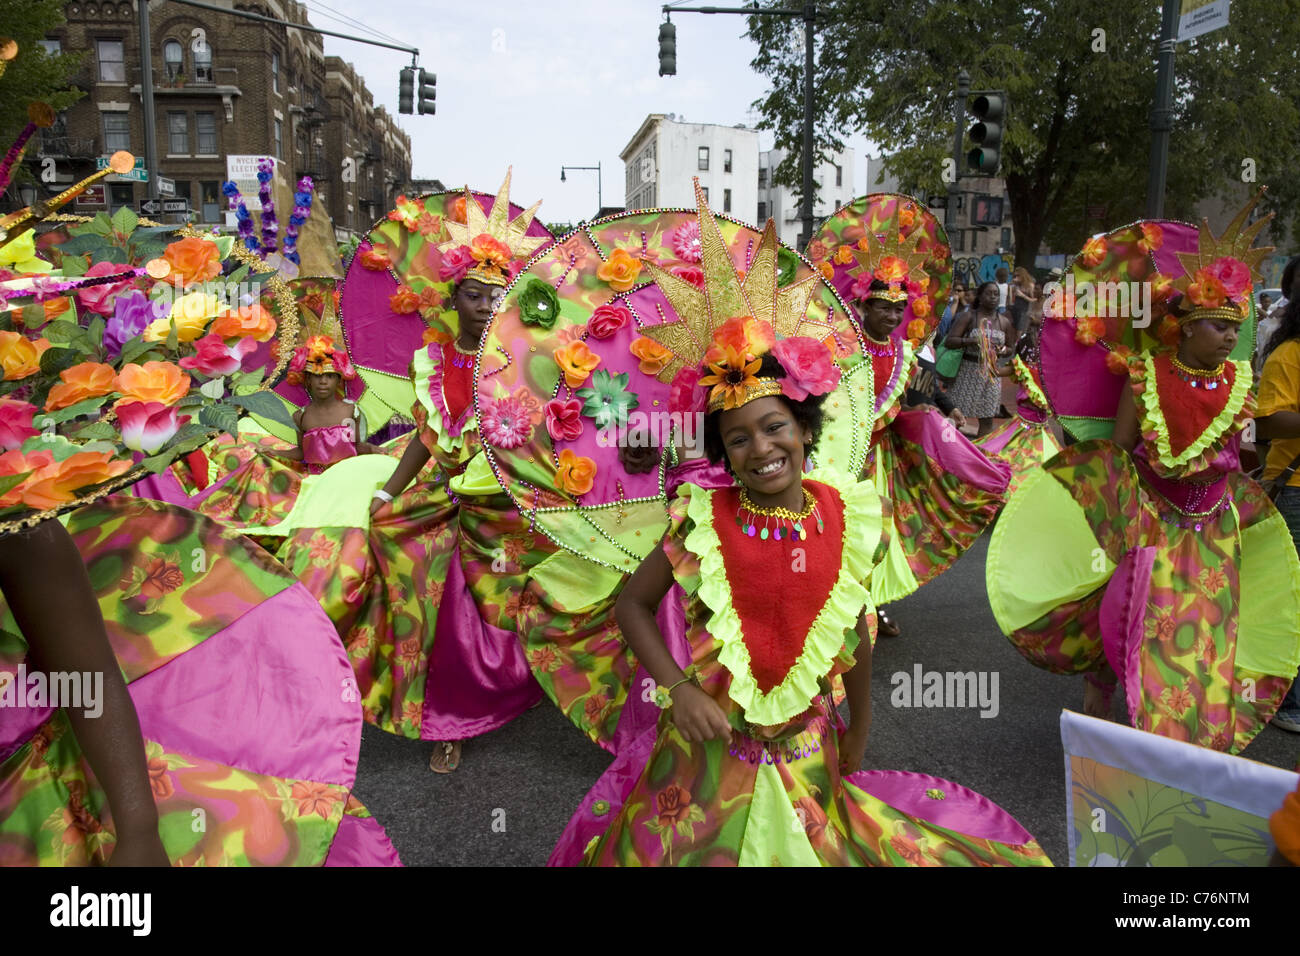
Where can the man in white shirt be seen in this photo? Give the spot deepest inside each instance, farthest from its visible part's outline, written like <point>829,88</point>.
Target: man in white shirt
<point>1004,288</point>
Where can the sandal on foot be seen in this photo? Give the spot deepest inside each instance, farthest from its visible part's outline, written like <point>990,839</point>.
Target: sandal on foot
<point>885,626</point>
<point>445,757</point>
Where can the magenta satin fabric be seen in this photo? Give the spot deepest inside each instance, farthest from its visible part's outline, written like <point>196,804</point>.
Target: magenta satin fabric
<point>951,451</point>
<point>267,694</point>
<point>961,809</point>
<point>1122,619</point>
<point>479,679</point>
<point>322,447</point>
<point>361,841</point>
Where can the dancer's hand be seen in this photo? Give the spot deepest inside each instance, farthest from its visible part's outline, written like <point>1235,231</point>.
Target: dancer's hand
<point>853,748</point>
<point>958,418</point>
<point>378,505</point>
<point>697,716</point>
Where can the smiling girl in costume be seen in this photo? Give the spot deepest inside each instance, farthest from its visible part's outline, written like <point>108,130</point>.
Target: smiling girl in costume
<point>1149,560</point>
<point>889,256</point>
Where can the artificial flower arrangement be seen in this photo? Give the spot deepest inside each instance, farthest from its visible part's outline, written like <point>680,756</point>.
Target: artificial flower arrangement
<point>124,345</point>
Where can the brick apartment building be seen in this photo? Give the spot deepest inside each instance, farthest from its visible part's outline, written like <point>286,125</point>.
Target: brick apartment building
<point>223,85</point>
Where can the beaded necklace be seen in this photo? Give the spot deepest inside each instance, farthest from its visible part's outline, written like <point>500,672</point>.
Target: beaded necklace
<point>460,358</point>
<point>748,512</point>
<point>1206,378</point>
<point>876,347</point>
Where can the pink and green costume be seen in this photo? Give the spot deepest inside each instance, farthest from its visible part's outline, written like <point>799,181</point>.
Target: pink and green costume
<point>1167,566</point>
<point>773,794</point>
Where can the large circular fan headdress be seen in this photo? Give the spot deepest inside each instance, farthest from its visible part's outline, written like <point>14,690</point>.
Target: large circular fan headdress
<point>592,366</point>
<point>1127,292</point>
<point>396,295</point>
<point>895,240</point>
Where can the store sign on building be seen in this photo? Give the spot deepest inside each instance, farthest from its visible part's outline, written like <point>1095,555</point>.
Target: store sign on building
<point>242,170</point>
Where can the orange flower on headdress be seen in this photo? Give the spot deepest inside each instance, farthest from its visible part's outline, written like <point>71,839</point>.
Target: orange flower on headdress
<point>916,328</point>
<point>906,216</point>
<point>731,376</point>
<point>489,251</point>
<point>744,335</point>
<point>826,269</point>
<point>652,356</point>
<point>374,260</point>
<point>844,255</point>
<point>430,302</point>
<point>1089,329</point>
<point>891,269</point>
<point>194,259</point>
<point>407,213</point>
<point>920,307</point>
<point>1206,291</point>
<point>151,382</point>
<point>458,210</point>
<point>19,355</point>
<point>1152,237</point>
<point>404,301</point>
<point>1117,360</point>
<point>1094,251</point>
<point>87,380</point>
<point>620,270</point>
<point>576,361</point>
<point>576,473</point>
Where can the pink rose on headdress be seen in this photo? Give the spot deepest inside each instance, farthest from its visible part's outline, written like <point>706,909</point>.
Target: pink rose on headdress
<point>215,357</point>
<point>1233,275</point>
<point>147,426</point>
<point>564,419</point>
<point>15,423</point>
<point>809,369</point>
<point>455,263</point>
<point>343,365</point>
<point>608,319</point>
<point>686,242</point>
<point>692,274</point>
<point>685,394</point>
<point>505,422</point>
<point>99,298</point>
<point>861,287</point>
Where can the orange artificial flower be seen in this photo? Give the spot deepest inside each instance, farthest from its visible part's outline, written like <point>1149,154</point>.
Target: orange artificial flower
<point>826,269</point>
<point>1153,237</point>
<point>576,361</point>
<point>732,374</point>
<point>744,335</point>
<point>1094,251</point>
<point>1207,291</point>
<point>374,260</point>
<point>247,321</point>
<point>312,797</point>
<point>916,328</point>
<point>864,244</point>
<point>57,482</point>
<point>891,269</point>
<point>652,356</point>
<point>486,249</point>
<point>432,335</point>
<point>56,307</point>
<point>404,301</point>
<point>921,307</point>
<point>816,250</point>
<point>20,356</point>
<point>1169,331</point>
<point>844,255</point>
<point>620,270</point>
<point>194,259</point>
<point>576,474</point>
<point>1117,361</point>
<point>906,216</point>
<point>1089,329</point>
<point>152,382</point>
<point>458,210</point>
<point>87,380</point>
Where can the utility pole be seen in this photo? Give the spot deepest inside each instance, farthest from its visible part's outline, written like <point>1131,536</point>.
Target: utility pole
<point>954,187</point>
<point>1162,113</point>
<point>146,95</point>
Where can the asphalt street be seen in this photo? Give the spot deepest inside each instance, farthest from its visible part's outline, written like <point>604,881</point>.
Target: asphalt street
<point>517,787</point>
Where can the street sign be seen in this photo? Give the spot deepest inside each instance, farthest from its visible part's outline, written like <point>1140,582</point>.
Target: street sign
<point>139,174</point>
<point>155,205</point>
<point>176,205</point>
<point>1201,16</point>
<point>151,207</point>
<point>92,197</point>
<point>937,202</point>
<point>166,187</point>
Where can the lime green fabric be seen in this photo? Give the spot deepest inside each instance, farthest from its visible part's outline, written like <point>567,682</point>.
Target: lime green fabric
<point>1085,429</point>
<point>1267,641</point>
<point>574,583</point>
<point>892,579</point>
<point>773,831</point>
<point>477,479</point>
<point>1028,572</point>
<point>338,498</point>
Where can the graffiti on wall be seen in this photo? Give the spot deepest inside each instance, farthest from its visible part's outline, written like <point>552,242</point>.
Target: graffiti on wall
<point>972,270</point>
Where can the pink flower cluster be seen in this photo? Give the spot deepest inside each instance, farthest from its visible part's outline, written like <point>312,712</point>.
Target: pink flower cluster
<point>809,367</point>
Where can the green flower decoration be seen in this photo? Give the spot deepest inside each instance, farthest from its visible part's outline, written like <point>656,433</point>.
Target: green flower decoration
<point>934,793</point>
<point>609,401</point>
<point>538,304</point>
<point>786,263</point>
<point>599,808</point>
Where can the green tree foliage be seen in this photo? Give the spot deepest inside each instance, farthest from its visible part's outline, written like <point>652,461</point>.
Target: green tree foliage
<point>34,75</point>
<point>1081,80</point>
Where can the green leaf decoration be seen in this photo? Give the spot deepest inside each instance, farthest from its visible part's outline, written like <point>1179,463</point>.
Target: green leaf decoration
<point>34,314</point>
<point>12,481</point>
<point>101,225</point>
<point>239,275</point>
<point>133,350</point>
<point>241,383</point>
<point>87,407</point>
<point>95,333</point>
<point>224,418</point>
<point>224,245</point>
<point>60,331</point>
<point>97,430</point>
<point>125,220</point>
<point>264,404</point>
<point>114,254</point>
<point>54,361</point>
<point>173,336</point>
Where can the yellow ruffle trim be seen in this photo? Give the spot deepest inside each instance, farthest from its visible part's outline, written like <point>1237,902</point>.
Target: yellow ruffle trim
<point>1026,378</point>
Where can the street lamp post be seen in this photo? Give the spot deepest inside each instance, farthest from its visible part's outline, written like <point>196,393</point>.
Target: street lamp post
<point>954,187</point>
<point>600,196</point>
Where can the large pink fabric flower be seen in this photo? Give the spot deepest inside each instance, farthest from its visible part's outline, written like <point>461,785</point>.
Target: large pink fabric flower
<point>505,422</point>
<point>99,298</point>
<point>146,426</point>
<point>216,358</point>
<point>685,394</point>
<point>16,423</point>
<point>686,241</point>
<point>564,419</point>
<point>455,264</point>
<point>1232,273</point>
<point>809,369</point>
<point>608,319</point>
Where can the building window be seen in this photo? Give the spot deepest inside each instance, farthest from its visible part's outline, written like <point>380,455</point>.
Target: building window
<point>206,126</point>
<point>178,134</point>
<point>762,178</point>
<point>173,59</point>
<point>762,213</point>
<point>726,160</point>
<point>117,132</point>
<point>839,175</point>
<point>704,157</point>
<point>203,63</point>
<point>705,190</point>
<point>1006,239</point>
<point>119,195</point>
<point>211,191</point>
<point>275,72</point>
<point>112,66</point>
<point>53,47</point>
<point>279,140</point>
<point>726,200</point>
<point>958,240</point>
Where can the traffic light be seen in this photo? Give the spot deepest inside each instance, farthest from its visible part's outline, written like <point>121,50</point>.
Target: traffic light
<point>667,49</point>
<point>986,135</point>
<point>428,93</point>
<point>406,91</point>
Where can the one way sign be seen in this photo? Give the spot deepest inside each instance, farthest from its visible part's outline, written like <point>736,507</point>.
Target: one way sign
<point>153,206</point>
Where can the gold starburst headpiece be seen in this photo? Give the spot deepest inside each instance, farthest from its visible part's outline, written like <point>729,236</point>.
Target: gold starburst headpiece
<point>893,260</point>
<point>1221,273</point>
<point>494,240</point>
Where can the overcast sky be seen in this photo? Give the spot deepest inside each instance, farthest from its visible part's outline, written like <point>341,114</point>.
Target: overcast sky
<point>547,83</point>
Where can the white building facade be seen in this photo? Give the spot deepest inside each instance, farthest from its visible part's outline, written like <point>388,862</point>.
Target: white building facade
<point>666,154</point>
<point>835,179</point>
